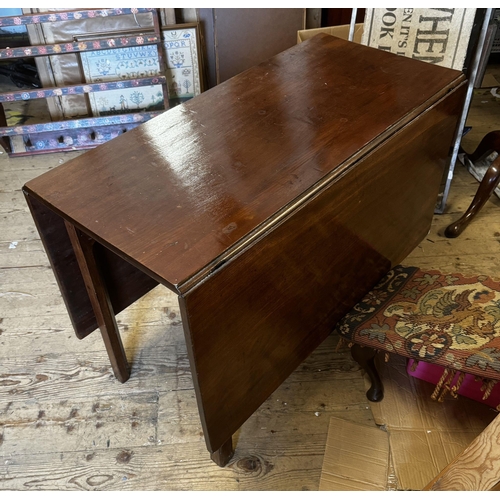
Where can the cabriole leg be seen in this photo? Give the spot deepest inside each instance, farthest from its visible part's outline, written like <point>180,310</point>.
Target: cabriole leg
<point>489,183</point>
<point>365,357</point>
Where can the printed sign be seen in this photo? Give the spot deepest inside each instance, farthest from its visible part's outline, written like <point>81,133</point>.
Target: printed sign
<point>437,36</point>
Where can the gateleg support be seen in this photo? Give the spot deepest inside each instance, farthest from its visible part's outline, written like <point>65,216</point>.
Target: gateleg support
<point>83,246</point>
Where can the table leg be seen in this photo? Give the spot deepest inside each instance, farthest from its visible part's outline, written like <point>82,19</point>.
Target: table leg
<point>222,456</point>
<point>101,303</point>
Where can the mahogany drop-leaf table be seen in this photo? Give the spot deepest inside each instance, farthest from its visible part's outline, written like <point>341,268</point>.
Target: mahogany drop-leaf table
<point>270,205</point>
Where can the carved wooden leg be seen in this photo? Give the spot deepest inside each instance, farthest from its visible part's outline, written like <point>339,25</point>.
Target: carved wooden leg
<point>489,183</point>
<point>489,143</point>
<point>365,357</point>
<point>101,304</point>
<point>222,456</point>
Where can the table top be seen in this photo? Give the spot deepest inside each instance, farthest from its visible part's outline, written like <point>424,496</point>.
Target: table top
<point>178,192</point>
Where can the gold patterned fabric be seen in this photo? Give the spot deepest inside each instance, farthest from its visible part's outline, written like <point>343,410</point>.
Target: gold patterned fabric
<point>450,320</point>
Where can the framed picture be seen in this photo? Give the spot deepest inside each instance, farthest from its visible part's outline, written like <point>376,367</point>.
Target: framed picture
<point>124,63</point>
<point>181,62</point>
<point>181,44</point>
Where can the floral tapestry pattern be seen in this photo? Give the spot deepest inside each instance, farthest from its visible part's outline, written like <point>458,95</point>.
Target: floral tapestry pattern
<point>446,319</point>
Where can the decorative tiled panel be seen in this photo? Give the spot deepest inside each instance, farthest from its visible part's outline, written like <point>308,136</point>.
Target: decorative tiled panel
<point>25,95</point>
<point>88,132</point>
<point>71,47</point>
<point>82,138</point>
<point>68,16</point>
<point>80,123</point>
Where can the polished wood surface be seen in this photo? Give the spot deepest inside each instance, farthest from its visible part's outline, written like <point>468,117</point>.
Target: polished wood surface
<point>263,311</point>
<point>175,194</point>
<point>271,204</point>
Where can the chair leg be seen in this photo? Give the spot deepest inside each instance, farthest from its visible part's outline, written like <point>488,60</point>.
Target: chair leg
<point>489,183</point>
<point>489,143</point>
<point>365,357</point>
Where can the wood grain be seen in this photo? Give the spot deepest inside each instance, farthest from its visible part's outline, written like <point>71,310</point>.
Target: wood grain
<point>477,468</point>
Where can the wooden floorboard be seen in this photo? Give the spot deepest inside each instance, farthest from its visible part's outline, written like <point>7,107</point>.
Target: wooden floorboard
<point>67,424</point>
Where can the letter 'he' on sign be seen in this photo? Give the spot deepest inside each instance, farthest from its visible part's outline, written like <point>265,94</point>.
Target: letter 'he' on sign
<point>436,36</point>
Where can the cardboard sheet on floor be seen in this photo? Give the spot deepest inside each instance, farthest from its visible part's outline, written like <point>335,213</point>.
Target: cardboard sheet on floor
<point>421,436</point>
<point>356,458</point>
<point>424,436</point>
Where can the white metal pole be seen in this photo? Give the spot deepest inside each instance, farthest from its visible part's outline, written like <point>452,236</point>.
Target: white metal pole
<point>353,24</point>
<point>468,98</point>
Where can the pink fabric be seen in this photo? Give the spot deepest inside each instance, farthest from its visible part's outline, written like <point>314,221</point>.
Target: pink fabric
<point>469,388</point>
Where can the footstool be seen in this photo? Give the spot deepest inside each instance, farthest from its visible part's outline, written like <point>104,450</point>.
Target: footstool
<point>452,320</point>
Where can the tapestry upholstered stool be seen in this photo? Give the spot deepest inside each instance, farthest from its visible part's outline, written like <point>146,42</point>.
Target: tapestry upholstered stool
<point>450,320</point>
